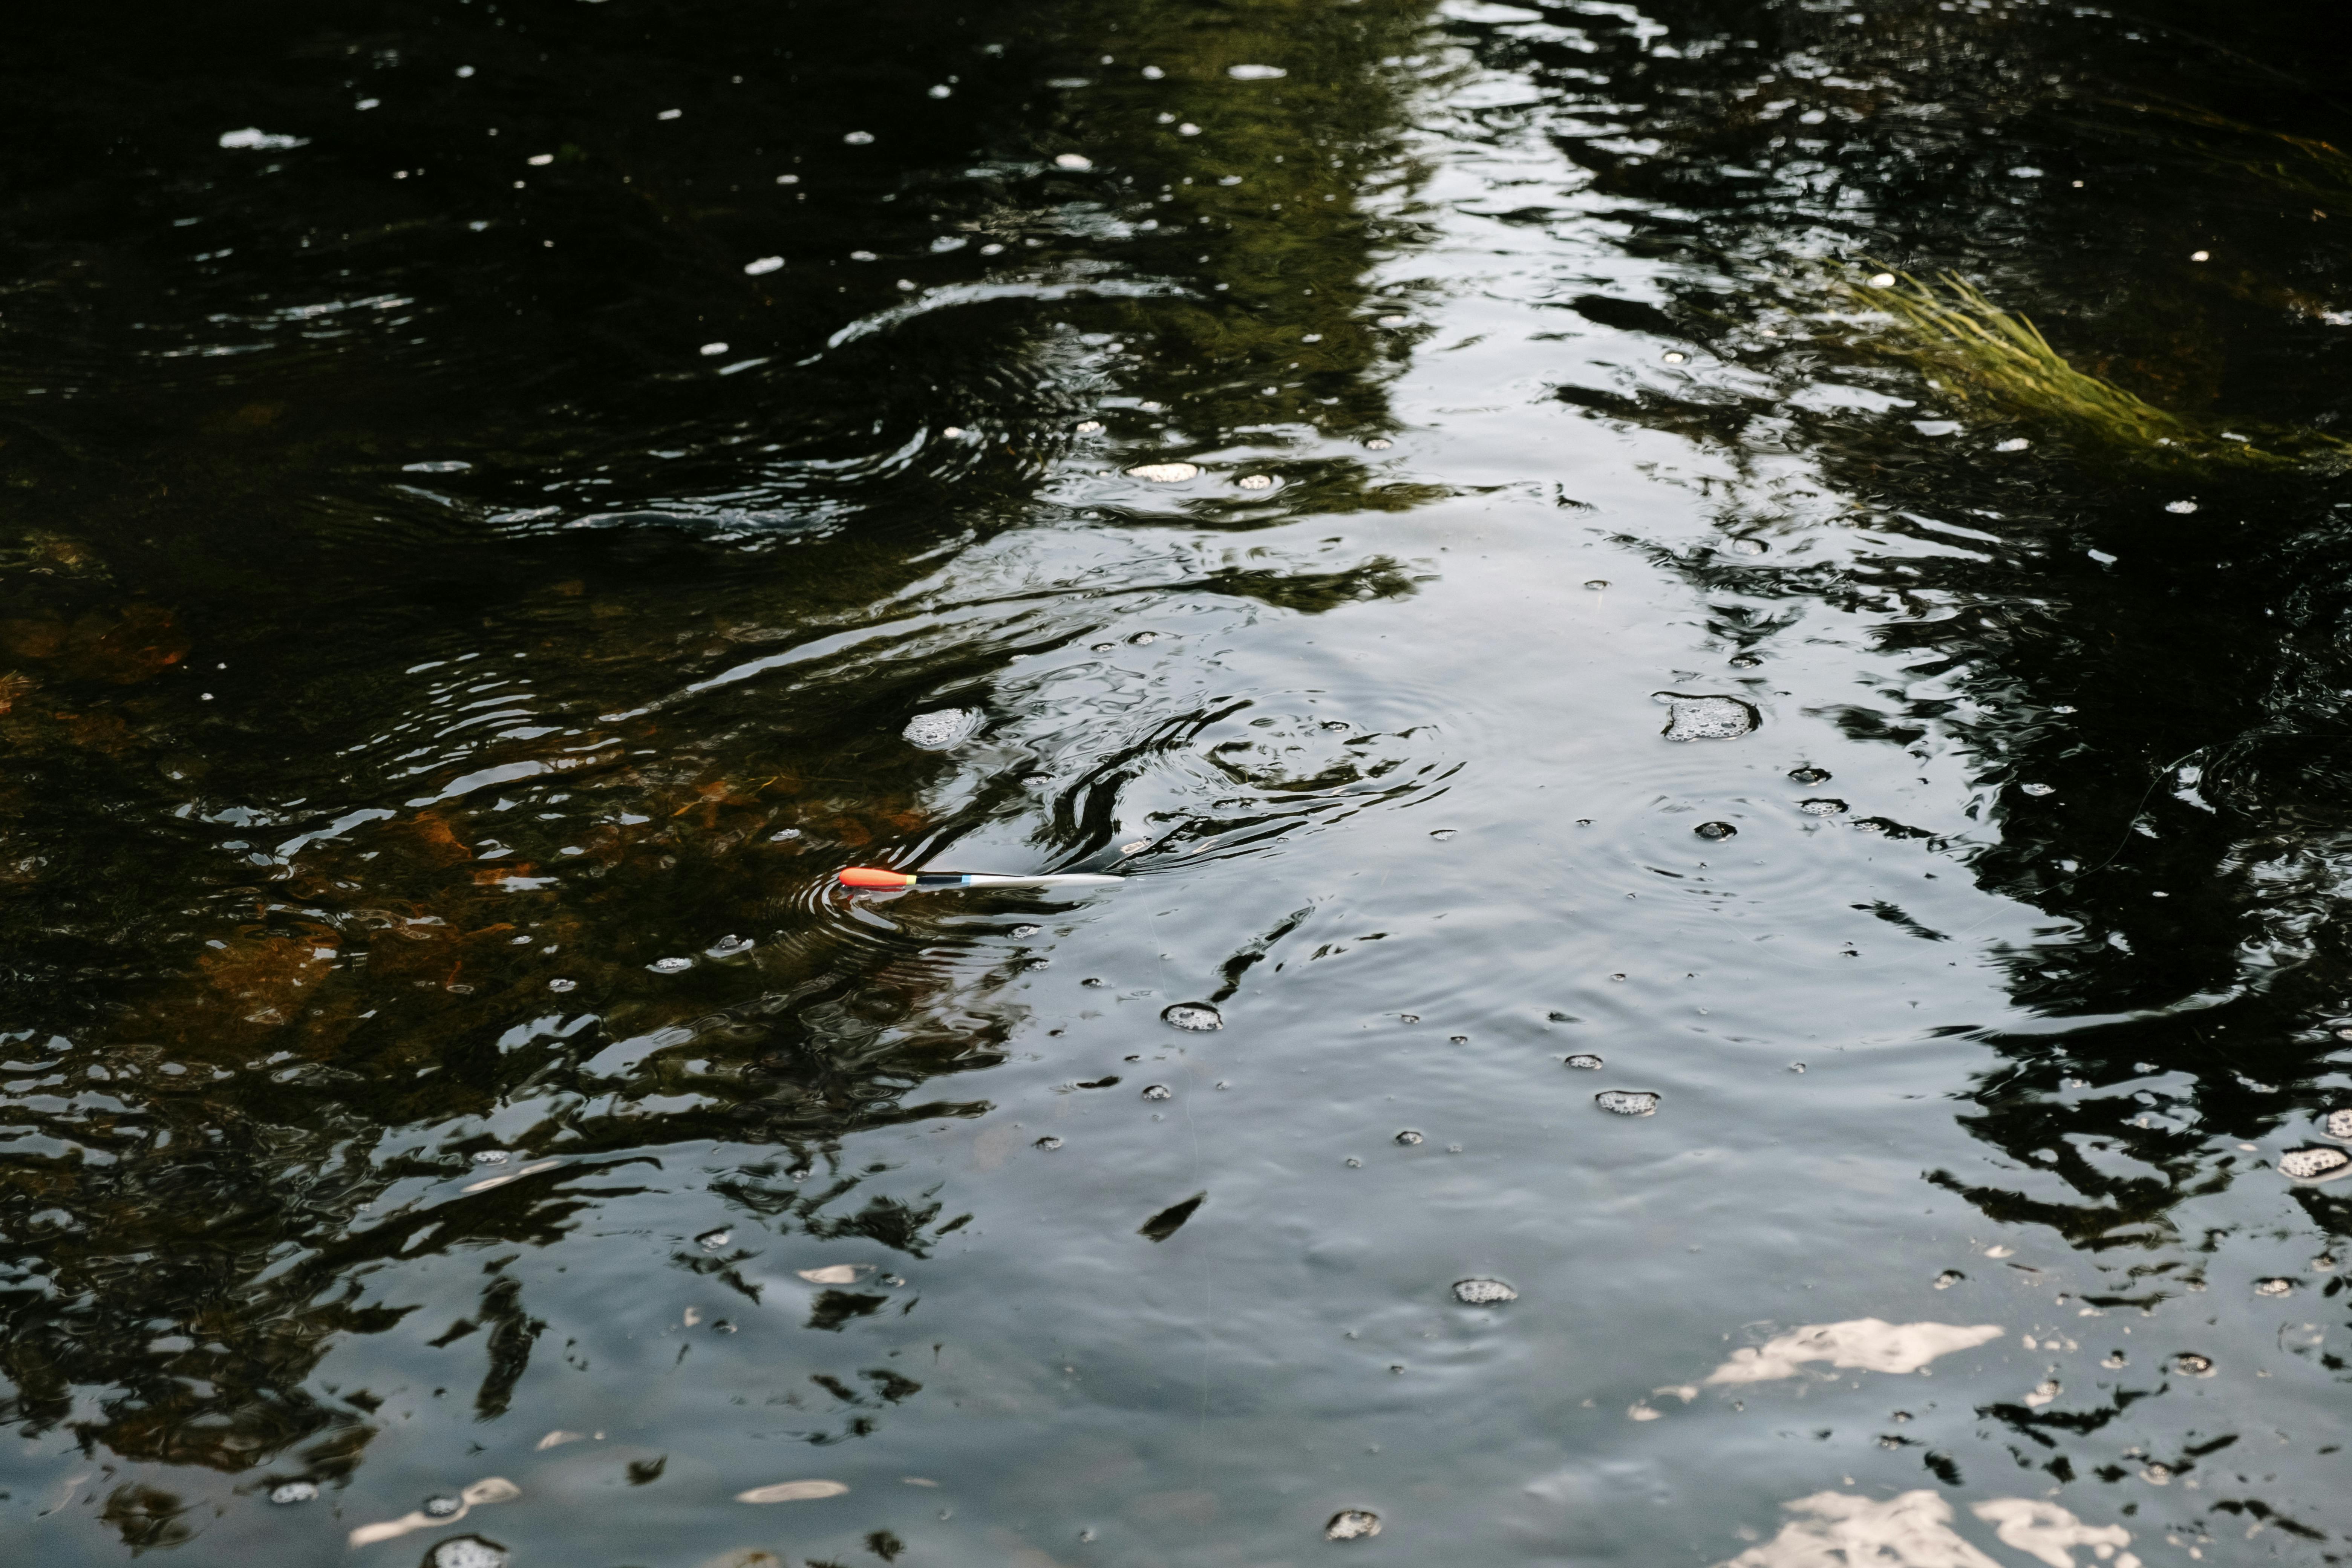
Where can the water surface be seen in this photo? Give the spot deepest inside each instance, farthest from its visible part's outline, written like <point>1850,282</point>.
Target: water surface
<point>1771,922</point>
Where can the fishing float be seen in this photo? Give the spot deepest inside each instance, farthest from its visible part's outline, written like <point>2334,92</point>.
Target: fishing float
<point>873,879</point>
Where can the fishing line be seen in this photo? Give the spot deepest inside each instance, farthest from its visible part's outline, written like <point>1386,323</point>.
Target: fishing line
<point>1208,1278</point>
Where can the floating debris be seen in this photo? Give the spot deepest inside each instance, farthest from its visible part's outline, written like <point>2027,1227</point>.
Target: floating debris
<point>792,1491</point>
<point>1378,444</point>
<point>1169,1220</point>
<point>1809,776</point>
<point>714,1240</point>
<point>1626,1101</point>
<point>561,985</point>
<point>763,266</point>
<point>2181,507</point>
<point>2317,1163</point>
<point>670,965</point>
<point>1706,718</point>
<point>2043,1394</point>
<point>1585,1061</point>
<point>1408,1138</point>
<point>1194,1017</point>
<point>1165,473</point>
<point>2038,789</point>
<point>1256,481</point>
<point>2114,1361</point>
<point>1089,427</point>
<point>939,730</point>
<point>2273,1287</point>
<point>1352,1524</point>
<point>1867,1344</point>
<point>489,1156</point>
<point>1748,547</point>
<point>287,1492</point>
<point>1821,806</point>
<point>253,139</point>
<point>2189,1364</point>
<point>1483,1292</point>
<point>1674,356</point>
<point>1443,833</point>
<point>728,946</point>
<point>1047,1142</point>
<point>836,1273</point>
<point>1596,584</point>
<point>2014,444</point>
<point>1948,1278</point>
<point>1076,162</point>
<point>1158,1091</point>
<point>2155,1474</point>
<point>1255,73</point>
<point>489,1489</point>
<point>1715,830</point>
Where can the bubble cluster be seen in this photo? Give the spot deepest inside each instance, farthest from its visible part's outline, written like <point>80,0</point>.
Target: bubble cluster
<point>1715,830</point>
<point>2339,1124</point>
<point>1809,776</point>
<point>1483,1292</point>
<point>2189,1364</point>
<point>1706,718</point>
<point>1585,1061</point>
<point>938,732</point>
<point>466,1552</point>
<point>1408,1138</point>
<point>1822,806</point>
<point>1626,1101</point>
<point>1158,1091</point>
<point>2321,1160</point>
<point>1194,1017</point>
<point>292,1493</point>
<point>1352,1524</point>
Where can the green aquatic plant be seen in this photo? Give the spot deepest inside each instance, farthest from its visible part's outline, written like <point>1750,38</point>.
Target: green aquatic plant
<point>1984,352</point>
<point>2304,164</point>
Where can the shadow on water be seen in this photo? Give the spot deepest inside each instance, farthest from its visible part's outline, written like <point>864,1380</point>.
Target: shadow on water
<point>491,486</point>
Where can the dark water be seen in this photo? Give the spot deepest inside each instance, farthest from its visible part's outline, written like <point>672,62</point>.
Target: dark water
<point>489,487</point>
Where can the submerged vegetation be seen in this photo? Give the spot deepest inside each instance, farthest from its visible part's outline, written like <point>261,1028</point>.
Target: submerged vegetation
<point>2305,164</point>
<point>1976,350</point>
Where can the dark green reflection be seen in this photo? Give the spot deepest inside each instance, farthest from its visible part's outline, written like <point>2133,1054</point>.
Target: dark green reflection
<point>417,435</point>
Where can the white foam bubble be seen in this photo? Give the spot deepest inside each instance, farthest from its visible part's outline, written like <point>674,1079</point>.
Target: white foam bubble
<point>1483,1292</point>
<point>939,730</point>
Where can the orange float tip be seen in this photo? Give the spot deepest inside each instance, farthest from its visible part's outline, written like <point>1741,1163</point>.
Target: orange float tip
<point>874,876</point>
